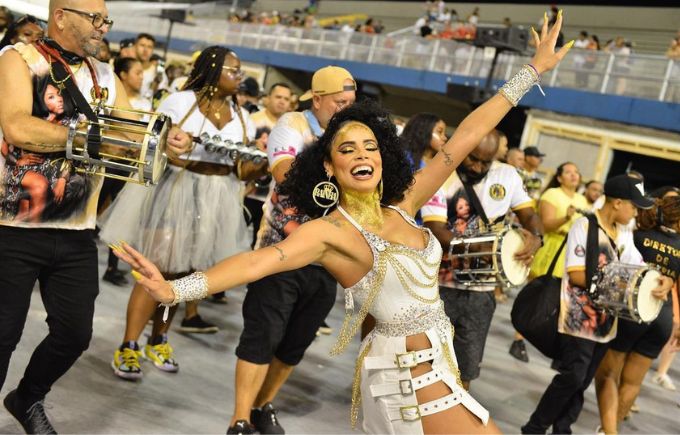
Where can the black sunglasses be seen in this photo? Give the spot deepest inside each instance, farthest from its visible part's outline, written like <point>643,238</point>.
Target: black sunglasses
<point>97,20</point>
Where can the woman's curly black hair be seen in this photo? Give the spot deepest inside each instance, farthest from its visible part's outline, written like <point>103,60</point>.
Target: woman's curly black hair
<point>308,170</point>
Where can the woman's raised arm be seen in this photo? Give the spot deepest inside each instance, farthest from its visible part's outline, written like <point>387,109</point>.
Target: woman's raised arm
<point>485,118</point>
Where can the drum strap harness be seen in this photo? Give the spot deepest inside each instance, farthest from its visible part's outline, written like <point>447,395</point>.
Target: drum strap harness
<point>592,253</point>
<point>65,77</point>
<point>477,205</point>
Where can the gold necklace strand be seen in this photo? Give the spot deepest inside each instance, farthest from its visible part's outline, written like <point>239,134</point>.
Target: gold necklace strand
<point>403,271</point>
<point>420,260</point>
<point>59,83</point>
<point>216,113</point>
<point>356,385</point>
<point>430,277</point>
<point>349,328</point>
<point>449,359</point>
<point>415,295</point>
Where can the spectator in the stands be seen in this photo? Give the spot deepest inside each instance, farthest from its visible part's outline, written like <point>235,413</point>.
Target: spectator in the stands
<point>420,22</point>
<point>673,51</point>
<point>368,26</point>
<point>579,56</point>
<point>507,22</point>
<point>127,48</point>
<point>474,17</point>
<point>621,63</point>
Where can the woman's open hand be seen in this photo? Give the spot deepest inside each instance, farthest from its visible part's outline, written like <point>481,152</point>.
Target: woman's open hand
<point>145,272</point>
<point>546,58</point>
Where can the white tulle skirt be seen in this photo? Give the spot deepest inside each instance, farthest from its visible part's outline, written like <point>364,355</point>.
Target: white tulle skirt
<point>188,221</point>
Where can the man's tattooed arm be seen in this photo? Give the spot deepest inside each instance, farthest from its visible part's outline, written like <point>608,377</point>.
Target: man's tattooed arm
<point>282,256</point>
<point>42,147</point>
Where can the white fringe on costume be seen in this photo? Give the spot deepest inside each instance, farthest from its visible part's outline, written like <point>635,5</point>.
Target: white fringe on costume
<point>187,222</point>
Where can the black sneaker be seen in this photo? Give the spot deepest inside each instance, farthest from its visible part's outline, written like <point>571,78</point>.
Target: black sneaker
<point>198,326</point>
<point>265,421</point>
<point>33,420</point>
<point>115,277</point>
<point>241,427</point>
<point>519,350</point>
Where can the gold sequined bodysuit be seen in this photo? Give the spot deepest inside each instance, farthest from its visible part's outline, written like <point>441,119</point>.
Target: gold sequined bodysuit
<point>401,292</point>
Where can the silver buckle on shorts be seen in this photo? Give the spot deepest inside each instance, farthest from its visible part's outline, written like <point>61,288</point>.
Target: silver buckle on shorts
<point>407,415</point>
<point>406,387</point>
<point>409,362</point>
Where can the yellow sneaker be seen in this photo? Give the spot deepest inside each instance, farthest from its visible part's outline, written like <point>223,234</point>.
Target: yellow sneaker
<point>161,356</point>
<point>125,363</point>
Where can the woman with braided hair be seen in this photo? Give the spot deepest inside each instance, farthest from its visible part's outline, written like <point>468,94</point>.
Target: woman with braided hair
<point>630,355</point>
<point>193,217</point>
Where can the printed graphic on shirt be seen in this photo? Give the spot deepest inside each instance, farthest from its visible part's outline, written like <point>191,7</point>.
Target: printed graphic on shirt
<point>44,189</point>
<point>289,137</point>
<point>660,248</point>
<point>578,315</point>
<point>499,192</point>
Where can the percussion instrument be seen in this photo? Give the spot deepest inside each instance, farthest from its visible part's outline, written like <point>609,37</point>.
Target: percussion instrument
<point>226,152</point>
<point>626,290</point>
<point>489,259</point>
<point>141,158</point>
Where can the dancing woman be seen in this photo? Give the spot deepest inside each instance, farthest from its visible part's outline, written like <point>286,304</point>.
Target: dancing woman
<point>406,373</point>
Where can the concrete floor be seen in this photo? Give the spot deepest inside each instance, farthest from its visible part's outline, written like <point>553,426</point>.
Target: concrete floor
<point>199,399</point>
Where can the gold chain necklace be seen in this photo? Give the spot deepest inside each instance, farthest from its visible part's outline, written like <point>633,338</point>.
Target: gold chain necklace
<point>59,83</point>
<point>217,113</point>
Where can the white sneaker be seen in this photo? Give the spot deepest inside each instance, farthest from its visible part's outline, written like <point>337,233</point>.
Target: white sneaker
<point>664,381</point>
<point>599,430</point>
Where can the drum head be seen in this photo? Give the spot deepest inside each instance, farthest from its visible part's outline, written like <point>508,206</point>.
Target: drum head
<point>648,306</point>
<point>515,271</point>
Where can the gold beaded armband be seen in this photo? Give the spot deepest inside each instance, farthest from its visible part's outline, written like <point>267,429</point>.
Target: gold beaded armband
<point>521,83</point>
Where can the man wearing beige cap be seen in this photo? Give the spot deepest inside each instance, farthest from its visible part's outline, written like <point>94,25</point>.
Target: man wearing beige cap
<point>282,312</point>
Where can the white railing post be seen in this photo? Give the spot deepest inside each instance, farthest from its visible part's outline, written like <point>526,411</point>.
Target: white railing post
<point>435,52</point>
<point>468,66</point>
<point>607,72</point>
<point>371,51</point>
<point>508,70</point>
<point>666,79</point>
<point>321,41</point>
<point>400,56</point>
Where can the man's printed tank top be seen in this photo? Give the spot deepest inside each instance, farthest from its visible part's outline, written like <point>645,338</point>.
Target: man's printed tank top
<point>43,190</point>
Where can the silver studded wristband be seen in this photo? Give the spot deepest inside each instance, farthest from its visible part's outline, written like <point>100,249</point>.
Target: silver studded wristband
<point>515,88</point>
<point>189,288</point>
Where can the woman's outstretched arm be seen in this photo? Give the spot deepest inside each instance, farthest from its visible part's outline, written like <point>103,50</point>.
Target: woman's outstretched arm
<point>304,246</point>
<point>480,122</point>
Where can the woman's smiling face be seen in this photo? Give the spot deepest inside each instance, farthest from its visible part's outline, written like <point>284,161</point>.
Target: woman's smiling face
<point>356,162</point>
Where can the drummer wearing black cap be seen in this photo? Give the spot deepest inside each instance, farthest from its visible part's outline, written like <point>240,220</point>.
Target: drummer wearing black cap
<point>534,178</point>
<point>630,355</point>
<point>585,330</point>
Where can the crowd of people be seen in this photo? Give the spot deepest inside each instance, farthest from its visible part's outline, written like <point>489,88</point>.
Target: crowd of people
<point>342,199</point>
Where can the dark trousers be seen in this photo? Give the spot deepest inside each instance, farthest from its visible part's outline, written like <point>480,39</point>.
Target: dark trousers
<point>254,215</point>
<point>64,262</point>
<point>562,401</point>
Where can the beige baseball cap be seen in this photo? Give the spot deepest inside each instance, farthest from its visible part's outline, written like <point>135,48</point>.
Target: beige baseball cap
<point>329,80</point>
